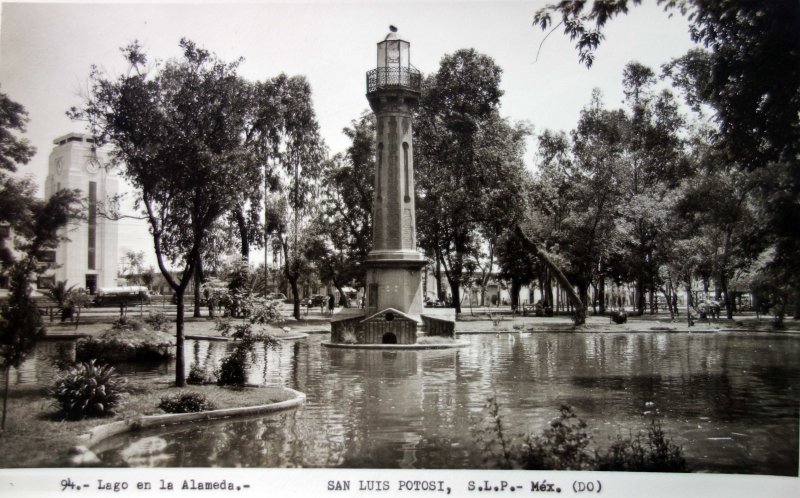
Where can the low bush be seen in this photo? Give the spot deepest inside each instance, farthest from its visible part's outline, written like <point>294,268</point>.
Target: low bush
<point>88,390</point>
<point>653,453</point>
<point>157,321</point>
<point>619,317</point>
<point>199,376</point>
<point>262,311</point>
<point>127,323</point>
<point>186,402</point>
<point>233,369</point>
<point>566,444</point>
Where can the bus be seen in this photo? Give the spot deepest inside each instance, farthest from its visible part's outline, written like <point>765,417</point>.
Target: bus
<point>128,295</point>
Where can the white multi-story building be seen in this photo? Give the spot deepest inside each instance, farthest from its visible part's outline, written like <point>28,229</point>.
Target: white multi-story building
<point>89,258</point>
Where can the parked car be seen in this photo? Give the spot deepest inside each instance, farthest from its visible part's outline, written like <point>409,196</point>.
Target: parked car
<point>276,296</point>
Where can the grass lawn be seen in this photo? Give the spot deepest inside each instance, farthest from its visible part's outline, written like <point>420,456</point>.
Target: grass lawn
<point>36,437</point>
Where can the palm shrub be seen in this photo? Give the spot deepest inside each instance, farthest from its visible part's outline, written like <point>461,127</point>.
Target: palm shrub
<point>186,402</point>
<point>60,293</point>
<point>89,390</point>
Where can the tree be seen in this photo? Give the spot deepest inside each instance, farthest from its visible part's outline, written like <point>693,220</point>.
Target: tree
<point>517,264</point>
<point>36,230</point>
<point>345,225</point>
<point>36,225</point>
<point>178,133</point>
<point>656,162</point>
<point>528,244</point>
<point>13,150</point>
<point>20,326</point>
<point>590,172</point>
<point>719,205</point>
<point>297,160</point>
<point>748,75</point>
<point>77,299</point>
<point>131,266</point>
<point>468,162</point>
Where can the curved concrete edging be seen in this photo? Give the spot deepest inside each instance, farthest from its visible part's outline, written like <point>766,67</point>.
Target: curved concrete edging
<point>395,347</point>
<point>217,338</point>
<point>292,337</point>
<point>659,330</point>
<point>83,454</point>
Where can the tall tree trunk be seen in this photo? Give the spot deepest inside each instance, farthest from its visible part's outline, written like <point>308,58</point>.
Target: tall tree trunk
<point>455,290</point>
<point>438,276</point>
<point>797,304</point>
<point>579,317</point>
<point>180,376</point>
<point>640,301</point>
<point>583,294</point>
<point>344,301</point>
<point>601,295</point>
<point>5,395</point>
<point>241,223</point>
<point>196,281</point>
<point>78,316</point>
<point>295,296</point>
<point>548,290</point>
<point>689,304</point>
<point>728,304</point>
<point>665,291</point>
<point>557,307</point>
<point>516,285</point>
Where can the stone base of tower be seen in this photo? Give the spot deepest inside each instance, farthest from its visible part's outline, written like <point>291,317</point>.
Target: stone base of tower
<point>393,329</point>
<point>395,288</point>
<point>389,326</point>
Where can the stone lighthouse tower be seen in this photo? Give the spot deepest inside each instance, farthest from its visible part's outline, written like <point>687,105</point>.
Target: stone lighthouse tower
<point>393,314</point>
<point>394,264</point>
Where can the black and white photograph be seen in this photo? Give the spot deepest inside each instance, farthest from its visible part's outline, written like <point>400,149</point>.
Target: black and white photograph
<point>412,248</point>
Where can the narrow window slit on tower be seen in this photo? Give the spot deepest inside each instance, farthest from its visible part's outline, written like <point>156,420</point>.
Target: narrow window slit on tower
<point>405,170</point>
<point>380,166</point>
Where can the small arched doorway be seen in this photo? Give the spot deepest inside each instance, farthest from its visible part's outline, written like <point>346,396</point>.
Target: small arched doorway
<point>389,338</point>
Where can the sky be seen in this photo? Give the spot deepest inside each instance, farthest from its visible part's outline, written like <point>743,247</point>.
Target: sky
<point>47,49</point>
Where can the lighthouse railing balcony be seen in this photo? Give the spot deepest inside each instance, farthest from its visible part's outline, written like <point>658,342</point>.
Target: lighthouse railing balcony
<point>394,78</point>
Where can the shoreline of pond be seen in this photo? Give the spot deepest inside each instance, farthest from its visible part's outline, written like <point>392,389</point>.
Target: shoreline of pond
<point>81,453</point>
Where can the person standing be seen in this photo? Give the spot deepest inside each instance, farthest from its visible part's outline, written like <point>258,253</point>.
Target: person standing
<point>331,304</point>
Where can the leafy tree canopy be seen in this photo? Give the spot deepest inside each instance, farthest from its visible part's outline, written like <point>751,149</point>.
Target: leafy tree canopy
<point>13,150</point>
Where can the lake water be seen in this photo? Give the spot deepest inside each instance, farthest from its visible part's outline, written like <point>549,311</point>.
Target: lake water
<point>731,400</point>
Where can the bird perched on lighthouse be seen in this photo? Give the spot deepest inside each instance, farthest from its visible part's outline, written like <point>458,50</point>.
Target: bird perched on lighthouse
<point>393,28</point>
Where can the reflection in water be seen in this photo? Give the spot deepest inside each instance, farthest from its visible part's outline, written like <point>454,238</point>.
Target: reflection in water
<point>731,400</point>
